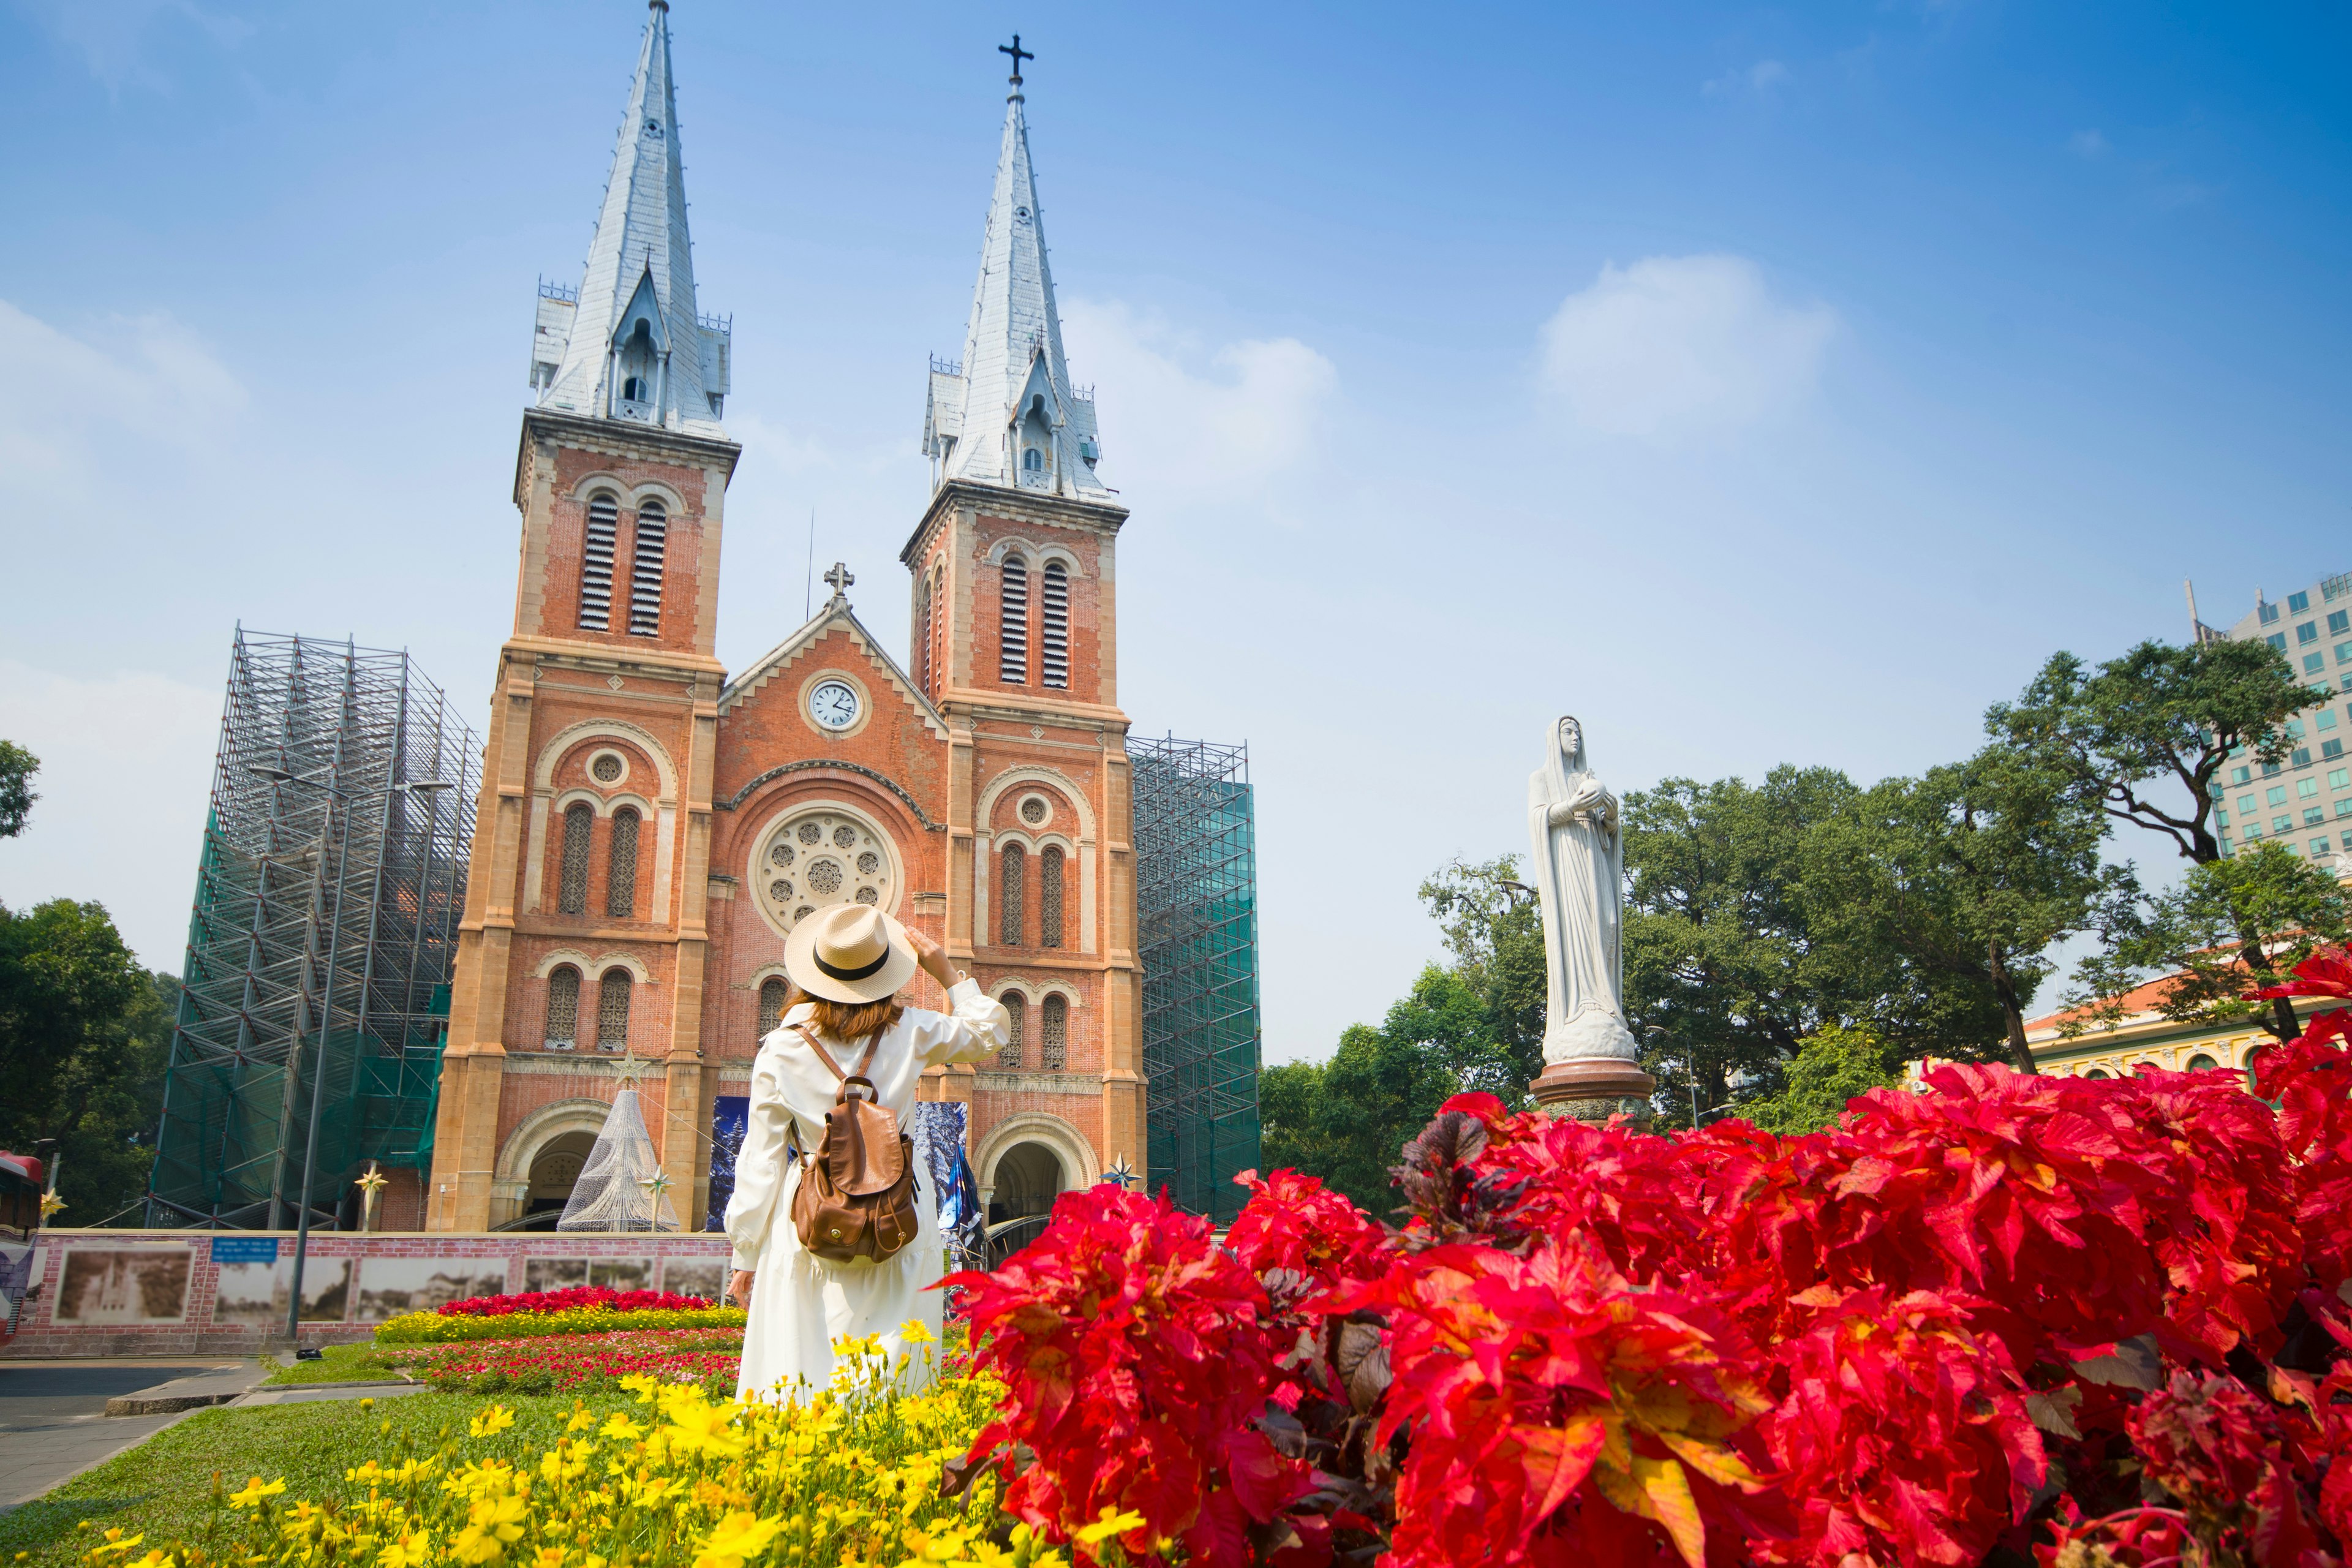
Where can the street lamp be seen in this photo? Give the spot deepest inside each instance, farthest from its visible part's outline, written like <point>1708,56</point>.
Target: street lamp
<point>427,788</point>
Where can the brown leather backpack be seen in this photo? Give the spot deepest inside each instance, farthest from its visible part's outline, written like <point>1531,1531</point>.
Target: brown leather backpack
<point>857,1196</point>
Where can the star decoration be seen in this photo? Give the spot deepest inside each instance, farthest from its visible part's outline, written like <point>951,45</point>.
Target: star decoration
<point>1120,1172</point>
<point>655,1185</point>
<point>50,1204</point>
<point>375,1182</point>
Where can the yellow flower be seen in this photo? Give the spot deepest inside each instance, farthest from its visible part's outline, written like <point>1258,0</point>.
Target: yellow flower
<point>1109,1523</point>
<point>115,1542</point>
<point>411,1551</point>
<point>495,1419</point>
<point>255,1491</point>
<point>740,1536</point>
<point>492,1525</point>
<point>582,1418</point>
<point>642,1384</point>
<point>914,1331</point>
<point>368,1402</point>
<point>620,1427</point>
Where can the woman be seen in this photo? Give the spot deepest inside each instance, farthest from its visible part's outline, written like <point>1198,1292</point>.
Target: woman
<point>847,963</point>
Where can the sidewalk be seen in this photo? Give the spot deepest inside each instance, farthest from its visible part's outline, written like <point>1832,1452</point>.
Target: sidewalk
<point>53,1420</point>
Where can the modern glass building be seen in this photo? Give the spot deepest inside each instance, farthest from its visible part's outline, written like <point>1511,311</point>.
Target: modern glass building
<point>2304,800</point>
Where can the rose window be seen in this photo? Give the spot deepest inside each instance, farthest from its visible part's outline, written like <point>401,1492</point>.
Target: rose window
<point>1033,810</point>
<point>606,768</point>
<point>834,859</point>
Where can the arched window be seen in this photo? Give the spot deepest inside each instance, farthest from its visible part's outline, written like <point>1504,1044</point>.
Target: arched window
<point>1034,460</point>
<point>572,883</point>
<point>1053,1054</point>
<point>1012,623</point>
<point>1049,896</point>
<point>1009,893</point>
<point>562,1032</point>
<point>1054,652</point>
<point>613,1011</point>
<point>596,563</point>
<point>621,866</point>
<point>2099,1072</point>
<point>2200,1062</point>
<point>923,631</point>
<point>645,571</point>
<point>772,991</point>
<point>1010,1056</point>
<point>634,389</point>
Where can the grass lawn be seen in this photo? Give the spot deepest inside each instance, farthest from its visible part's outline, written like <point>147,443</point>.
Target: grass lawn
<point>340,1363</point>
<point>165,1485</point>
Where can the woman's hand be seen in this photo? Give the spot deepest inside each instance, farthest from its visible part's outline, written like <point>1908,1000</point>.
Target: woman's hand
<point>931,957</point>
<point>739,1289</point>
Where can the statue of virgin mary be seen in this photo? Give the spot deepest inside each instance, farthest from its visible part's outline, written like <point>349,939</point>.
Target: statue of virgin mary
<point>1580,874</point>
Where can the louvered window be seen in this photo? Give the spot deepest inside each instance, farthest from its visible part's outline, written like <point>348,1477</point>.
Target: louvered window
<point>621,866</point>
<point>923,632</point>
<point>645,571</point>
<point>571,885</point>
<point>1010,1056</point>
<point>613,1011</point>
<point>1049,896</point>
<point>1055,1055</point>
<point>1013,620</point>
<point>1008,895</point>
<point>597,564</point>
<point>1055,650</point>
<point>562,1009</point>
<point>772,992</point>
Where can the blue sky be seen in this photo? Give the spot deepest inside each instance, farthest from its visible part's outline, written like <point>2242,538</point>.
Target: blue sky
<point>1760,384</point>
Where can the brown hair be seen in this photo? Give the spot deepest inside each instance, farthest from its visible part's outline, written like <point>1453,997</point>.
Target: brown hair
<point>847,1022</point>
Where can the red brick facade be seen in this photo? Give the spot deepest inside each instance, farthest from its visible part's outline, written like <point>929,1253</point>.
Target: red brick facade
<point>728,808</point>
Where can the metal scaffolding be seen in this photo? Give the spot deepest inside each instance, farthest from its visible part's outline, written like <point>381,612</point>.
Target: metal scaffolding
<point>1196,905</point>
<point>322,939</point>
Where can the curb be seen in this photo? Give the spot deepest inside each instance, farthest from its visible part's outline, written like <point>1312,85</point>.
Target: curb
<point>147,1401</point>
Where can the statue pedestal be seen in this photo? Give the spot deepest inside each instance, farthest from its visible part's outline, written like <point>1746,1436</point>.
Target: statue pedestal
<point>1592,1090</point>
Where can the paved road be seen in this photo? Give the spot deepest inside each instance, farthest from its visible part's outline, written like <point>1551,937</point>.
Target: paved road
<point>53,1420</point>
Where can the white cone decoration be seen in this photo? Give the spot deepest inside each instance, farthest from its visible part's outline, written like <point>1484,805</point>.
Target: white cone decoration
<point>619,1189</point>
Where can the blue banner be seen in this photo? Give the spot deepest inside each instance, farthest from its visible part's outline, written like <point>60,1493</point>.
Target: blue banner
<point>245,1249</point>
<point>730,1118</point>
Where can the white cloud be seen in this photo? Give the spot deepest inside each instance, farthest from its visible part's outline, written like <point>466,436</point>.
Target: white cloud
<point>1759,80</point>
<point>66,402</point>
<point>126,770</point>
<point>1250,410</point>
<point>1676,346</point>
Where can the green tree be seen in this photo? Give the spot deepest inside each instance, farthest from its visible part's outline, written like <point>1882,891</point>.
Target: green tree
<point>1724,969</point>
<point>2227,927</point>
<point>1347,1120</point>
<point>1971,873</point>
<point>2126,735</point>
<point>1494,929</point>
<point>17,767</point>
<point>1832,1067</point>
<point>84,1037</point>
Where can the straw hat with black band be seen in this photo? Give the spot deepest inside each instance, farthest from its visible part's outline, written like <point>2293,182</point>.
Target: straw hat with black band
<point>850,952</point>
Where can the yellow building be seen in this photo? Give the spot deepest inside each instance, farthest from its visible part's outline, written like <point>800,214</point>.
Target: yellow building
<point>2146,1038</point>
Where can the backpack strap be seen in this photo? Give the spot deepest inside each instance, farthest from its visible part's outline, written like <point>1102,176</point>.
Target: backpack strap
<point>864,1063</point>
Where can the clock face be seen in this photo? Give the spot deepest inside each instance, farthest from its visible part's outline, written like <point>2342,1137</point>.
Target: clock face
<point>834,704</point>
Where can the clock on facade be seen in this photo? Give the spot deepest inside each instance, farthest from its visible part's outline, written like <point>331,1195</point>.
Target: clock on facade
<point>834,704</point>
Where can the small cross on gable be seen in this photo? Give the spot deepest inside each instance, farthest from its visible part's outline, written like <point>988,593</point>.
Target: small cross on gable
<point>840,578</point>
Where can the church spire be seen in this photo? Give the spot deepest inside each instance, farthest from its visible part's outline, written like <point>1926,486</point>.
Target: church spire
<point>1008,414</point>
<point>627,343</point>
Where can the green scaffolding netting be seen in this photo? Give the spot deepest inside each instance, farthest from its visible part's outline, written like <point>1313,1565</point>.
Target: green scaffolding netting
<point>1196,908</point>
<point>324,929</point>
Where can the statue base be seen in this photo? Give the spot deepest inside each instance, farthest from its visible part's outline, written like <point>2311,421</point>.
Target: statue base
<point>1593,1088</point>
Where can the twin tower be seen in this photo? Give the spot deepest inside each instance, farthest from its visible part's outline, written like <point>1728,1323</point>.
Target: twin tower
<point>652,829</point>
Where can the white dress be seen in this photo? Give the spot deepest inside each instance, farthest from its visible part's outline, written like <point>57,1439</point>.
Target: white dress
<point>801,1303</point>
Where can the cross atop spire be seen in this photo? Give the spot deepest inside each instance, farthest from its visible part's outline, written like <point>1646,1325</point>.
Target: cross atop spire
<point>629,343</point>
<point>1018,54</point>
<point>1008,414</point>
<point>839,579</point>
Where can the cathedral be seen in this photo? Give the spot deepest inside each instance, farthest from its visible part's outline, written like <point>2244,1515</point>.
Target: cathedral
<point>651,828</point>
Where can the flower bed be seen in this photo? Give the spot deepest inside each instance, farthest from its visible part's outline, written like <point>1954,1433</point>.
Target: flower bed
<point>2103,1320</point>
<point>851,1475</point>
<point>434,1328</point>
<point>577,1364</point>
<point>572,1296</point>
